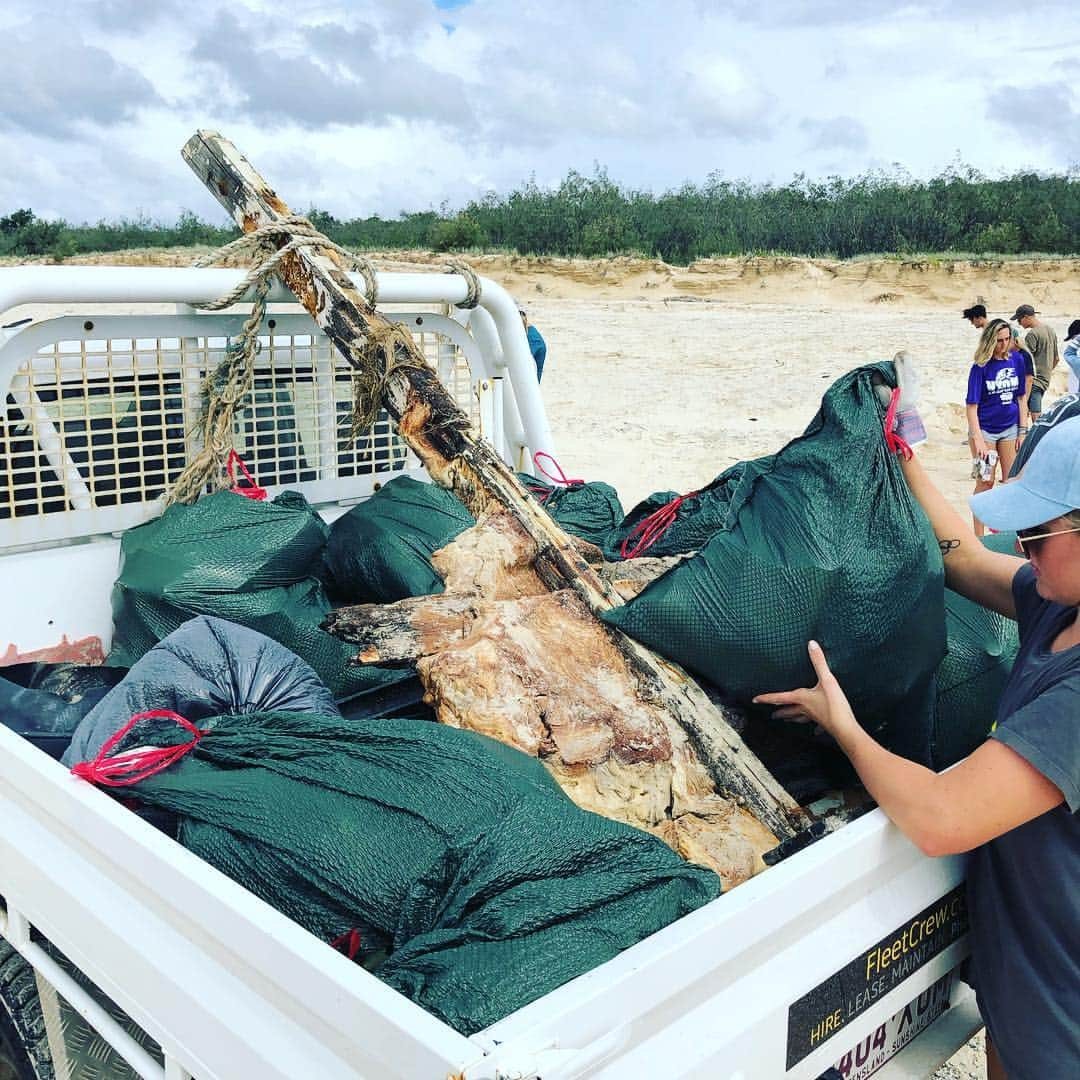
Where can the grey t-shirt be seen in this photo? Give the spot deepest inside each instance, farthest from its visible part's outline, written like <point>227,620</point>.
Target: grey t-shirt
<point>1024,887</point>
<point>1042,343</point>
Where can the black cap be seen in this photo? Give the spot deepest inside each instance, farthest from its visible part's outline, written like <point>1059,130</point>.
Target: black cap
<point>1023,311</point>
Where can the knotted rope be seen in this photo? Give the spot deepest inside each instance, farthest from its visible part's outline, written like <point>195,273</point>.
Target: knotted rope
<point>383,351</point>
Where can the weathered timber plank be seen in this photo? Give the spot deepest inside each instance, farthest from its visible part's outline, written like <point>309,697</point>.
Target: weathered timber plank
<point>436,429</point>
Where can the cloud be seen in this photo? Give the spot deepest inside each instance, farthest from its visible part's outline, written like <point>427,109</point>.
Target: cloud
<point>719,97</point>
<point>51,81</point>
<point>130,16</point>
<point>1044,113</point>
<point>331,75</point>
<point>837,133</point>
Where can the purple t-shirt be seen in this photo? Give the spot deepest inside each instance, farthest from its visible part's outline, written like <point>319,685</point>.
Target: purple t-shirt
<point>996,389</point>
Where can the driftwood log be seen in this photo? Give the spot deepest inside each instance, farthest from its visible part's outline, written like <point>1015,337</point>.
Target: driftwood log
<point>437,430</point>
<point>499,654</point>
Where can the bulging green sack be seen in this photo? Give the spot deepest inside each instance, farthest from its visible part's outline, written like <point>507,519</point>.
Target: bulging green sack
<point>451,866</point>
<point>821,540</point>
<point>380,551</point>
<point>252,563</point>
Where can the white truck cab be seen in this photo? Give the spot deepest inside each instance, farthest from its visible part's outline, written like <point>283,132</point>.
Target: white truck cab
<point>123,954</point>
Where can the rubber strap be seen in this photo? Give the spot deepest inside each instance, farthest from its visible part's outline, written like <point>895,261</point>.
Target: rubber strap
<point>128,768</point>
<point>253,491</point>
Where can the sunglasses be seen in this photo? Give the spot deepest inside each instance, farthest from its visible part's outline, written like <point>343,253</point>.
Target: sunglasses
<point>1025,537</point>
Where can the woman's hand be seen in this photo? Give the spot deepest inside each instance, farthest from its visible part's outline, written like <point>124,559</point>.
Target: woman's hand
<point>825,704</point>
<point>982,447</point>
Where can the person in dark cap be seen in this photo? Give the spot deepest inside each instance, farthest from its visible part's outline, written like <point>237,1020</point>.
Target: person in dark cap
<point>976,315</point>
<point>1014,803</point>
<point>1041,341</point>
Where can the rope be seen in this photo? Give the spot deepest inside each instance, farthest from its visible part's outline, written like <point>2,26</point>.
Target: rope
<point>227,389</point>
<point>252,491</point>
<point>559,477</point>
<point>651,528</point>
<point>472,283</point>
<point>349,943</point>
<point>130,767</point>
<point>893,441</point>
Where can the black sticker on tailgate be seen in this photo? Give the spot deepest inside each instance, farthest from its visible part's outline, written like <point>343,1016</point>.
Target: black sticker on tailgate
<point>848,993</point>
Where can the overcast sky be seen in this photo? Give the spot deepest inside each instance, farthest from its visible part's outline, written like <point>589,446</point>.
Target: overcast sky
<point>379,106</point>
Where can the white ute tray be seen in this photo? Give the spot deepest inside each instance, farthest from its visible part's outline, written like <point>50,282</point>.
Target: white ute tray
<point>779,978</point>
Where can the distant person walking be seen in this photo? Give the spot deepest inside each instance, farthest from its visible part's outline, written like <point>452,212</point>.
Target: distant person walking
<point>1029,366</point>
<point>996,406</point>
<point>1072,355</point>
<point>976,315</point>
<point>537,345</point>
<point>1042,343</point>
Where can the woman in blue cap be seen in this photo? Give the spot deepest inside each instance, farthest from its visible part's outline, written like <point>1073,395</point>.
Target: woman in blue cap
<point>1013,802</point>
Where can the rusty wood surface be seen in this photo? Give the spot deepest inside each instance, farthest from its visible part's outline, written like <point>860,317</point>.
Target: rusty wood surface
<point>435,428</point>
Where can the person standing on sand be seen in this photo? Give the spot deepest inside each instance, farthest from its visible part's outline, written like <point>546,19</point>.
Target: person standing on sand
<point>1042,343</point>
<point>1029,364</point>
<point>1014,803</point>
<point>1072,355</point>
<point>997,412</point>
<point>976,315</point>
<point>537,345</point>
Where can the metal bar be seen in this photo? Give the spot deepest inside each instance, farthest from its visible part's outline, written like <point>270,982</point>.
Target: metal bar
<point>15,927</point>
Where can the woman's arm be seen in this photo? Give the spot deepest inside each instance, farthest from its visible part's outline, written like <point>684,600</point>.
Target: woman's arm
<point>974,431</point>
<point>989,793</point>
<point>972,570</point>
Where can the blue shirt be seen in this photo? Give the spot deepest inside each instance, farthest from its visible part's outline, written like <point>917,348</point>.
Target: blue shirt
<point>538,348</point>
<point>1024,886</point>
<point>996,389</point>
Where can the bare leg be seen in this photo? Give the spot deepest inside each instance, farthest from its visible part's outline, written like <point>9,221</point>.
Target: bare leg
<point>1006,449</point>
<point>980,485</point>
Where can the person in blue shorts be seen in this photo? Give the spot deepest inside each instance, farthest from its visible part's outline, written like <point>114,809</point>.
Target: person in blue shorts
<point>996,406</point>
<point>1014,803</point>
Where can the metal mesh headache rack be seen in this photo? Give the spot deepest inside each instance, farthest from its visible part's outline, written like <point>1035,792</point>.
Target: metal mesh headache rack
<point>99,411</point>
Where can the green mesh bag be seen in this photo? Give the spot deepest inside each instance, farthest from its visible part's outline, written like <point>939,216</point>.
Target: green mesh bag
<point>253,563</point>
<point>380,551</point>
<point>667,523</point>
<point>972,677</point>
<point>821,540</point>
<point>449,864</point>
<point>589,510</point>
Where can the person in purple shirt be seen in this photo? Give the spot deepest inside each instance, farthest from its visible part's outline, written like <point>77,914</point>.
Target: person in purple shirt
<point>996,406</point>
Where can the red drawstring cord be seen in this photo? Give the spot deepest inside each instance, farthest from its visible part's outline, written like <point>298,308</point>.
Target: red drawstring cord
<point>562,478</point>
<point>348,943</point>
<point>132,766</point>
<point>252,492</point>
<point>893,441</point>
<point>651,528</point>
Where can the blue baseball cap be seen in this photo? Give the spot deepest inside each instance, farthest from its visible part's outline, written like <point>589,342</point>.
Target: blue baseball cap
<point>1048,486</point>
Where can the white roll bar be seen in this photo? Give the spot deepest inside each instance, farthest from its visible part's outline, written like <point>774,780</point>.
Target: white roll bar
<point>182,285</point>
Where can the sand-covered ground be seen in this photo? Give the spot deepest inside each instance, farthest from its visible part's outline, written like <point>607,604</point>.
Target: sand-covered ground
<point>661,378</point>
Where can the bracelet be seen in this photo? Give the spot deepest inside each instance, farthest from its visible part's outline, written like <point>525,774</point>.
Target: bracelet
<point>1022,431</point>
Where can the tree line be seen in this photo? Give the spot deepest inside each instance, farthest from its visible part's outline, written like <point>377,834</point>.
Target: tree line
<point>959,212</point>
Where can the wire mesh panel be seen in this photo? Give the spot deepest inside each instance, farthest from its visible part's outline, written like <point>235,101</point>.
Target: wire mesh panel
<point>94,429</point>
